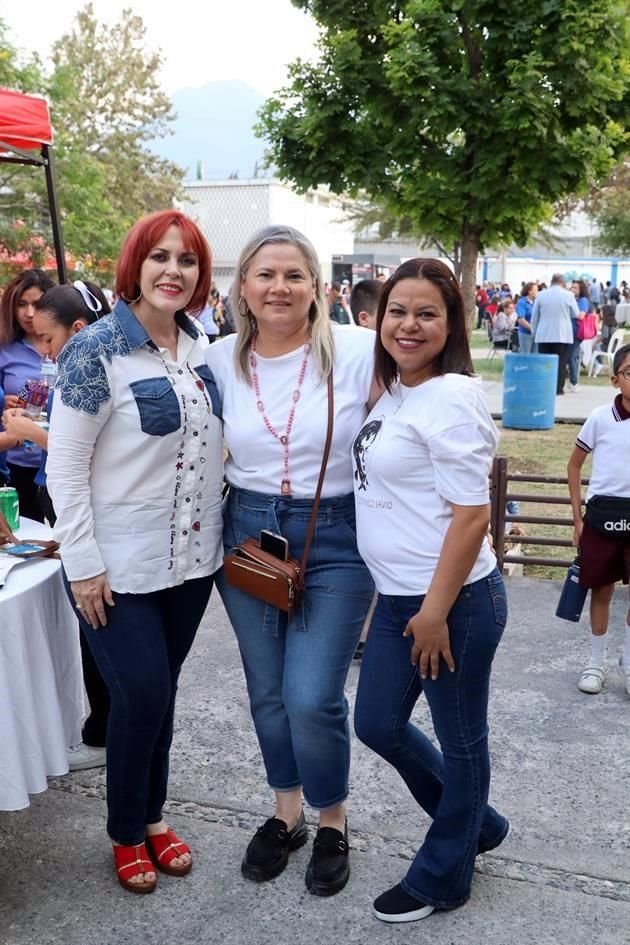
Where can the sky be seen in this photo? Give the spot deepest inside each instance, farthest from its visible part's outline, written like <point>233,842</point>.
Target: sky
<point>251,40</point>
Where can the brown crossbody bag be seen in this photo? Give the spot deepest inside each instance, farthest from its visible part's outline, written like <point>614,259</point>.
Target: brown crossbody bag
<point>260,573</point>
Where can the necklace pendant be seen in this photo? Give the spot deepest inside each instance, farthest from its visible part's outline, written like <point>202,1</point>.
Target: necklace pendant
<point>285,488</point>
<point>284,439</point>
<point>200,384</point>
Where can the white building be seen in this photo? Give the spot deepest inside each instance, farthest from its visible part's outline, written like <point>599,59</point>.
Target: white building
<point>230,211</point>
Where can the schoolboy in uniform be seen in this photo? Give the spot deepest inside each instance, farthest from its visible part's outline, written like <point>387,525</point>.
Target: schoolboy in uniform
<point>604,554</point>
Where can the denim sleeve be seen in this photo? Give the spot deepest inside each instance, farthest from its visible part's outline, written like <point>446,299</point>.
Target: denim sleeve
<point>82,379</point>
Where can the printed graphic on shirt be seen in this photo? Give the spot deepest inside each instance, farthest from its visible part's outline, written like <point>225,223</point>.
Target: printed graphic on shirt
<point>363,448</point>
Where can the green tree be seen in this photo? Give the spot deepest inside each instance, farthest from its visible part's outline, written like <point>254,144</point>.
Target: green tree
<point>612,212</point>
<point>106,105</point>
<point>470,118</point>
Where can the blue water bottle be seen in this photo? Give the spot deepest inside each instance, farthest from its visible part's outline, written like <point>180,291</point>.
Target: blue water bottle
<point>573,595</point>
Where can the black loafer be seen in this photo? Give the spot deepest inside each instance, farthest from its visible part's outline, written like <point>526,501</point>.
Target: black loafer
<point>329,867</point>
<point>268,851</point>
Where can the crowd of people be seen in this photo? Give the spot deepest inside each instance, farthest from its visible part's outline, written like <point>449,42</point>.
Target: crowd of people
<point>393,498</point>
<point>575,323</point>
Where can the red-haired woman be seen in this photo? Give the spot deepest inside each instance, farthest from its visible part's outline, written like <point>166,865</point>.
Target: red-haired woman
<point>134,472</point>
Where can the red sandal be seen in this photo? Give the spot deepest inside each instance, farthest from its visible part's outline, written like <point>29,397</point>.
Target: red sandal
<point>134,859</point>
<point>166,847</point>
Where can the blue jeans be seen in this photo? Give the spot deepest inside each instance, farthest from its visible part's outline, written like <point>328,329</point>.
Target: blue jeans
<point>526,343</point>
<point>574,362</point>
<point>140,654</point>
<point>296,670</point>
<point>451,785</point>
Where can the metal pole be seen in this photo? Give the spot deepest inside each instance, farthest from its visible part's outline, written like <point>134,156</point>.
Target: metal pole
<point>49,166</point>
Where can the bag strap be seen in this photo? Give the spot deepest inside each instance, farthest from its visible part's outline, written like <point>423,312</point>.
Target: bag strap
<point>322,472</point>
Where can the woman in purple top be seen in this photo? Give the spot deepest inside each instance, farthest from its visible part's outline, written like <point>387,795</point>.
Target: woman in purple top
<point>19,361</point>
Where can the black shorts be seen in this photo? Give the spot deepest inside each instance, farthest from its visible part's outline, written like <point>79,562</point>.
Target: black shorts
<point>603,560</point>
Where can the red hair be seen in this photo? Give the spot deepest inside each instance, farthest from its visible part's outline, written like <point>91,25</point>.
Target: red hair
<point>140,240</point>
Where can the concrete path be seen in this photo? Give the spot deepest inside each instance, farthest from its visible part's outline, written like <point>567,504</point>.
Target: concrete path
<point>561,770</point>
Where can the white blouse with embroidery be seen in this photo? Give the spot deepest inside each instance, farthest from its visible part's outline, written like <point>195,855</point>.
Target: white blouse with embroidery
<point>135,461</point>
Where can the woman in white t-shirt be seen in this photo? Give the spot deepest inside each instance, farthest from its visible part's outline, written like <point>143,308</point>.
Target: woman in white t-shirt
<point>421,461</point>
<point>272,378</point>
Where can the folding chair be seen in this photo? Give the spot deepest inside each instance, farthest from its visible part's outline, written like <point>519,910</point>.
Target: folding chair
<point>607,357</point>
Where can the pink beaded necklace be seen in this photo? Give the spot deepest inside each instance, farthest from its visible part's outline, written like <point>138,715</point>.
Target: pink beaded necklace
<point>283,438</point>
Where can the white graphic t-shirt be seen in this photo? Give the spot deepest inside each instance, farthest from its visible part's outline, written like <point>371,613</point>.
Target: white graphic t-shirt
<point>420,449</point>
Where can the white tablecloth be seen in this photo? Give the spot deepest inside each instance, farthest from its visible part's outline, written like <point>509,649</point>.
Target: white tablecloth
<point>622,314</point>
<point>41,683</point>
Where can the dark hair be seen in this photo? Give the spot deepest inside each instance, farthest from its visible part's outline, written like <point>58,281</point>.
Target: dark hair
<point>527,288</point>
<point>364,297</point>
<point>455,357</point>
<point>584,292</point>
<point>140,240</point>
<point>67,305</point>
<point>10,329</point>
<point>620,355</point>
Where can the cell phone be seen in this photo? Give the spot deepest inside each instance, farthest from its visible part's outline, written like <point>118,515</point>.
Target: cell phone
<point>24,549</point>
<point>274,544</point>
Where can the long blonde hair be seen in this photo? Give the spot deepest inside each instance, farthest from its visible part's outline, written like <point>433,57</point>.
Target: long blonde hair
<point>321,333</point>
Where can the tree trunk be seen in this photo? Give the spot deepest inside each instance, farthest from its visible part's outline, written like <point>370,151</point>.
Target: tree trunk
<point>471,245</point>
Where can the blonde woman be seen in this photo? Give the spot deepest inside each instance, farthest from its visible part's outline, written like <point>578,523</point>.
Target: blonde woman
<point>272,377</point>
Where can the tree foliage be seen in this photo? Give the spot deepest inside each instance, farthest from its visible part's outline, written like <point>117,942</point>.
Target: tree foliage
<point>612,212</point>
<point>106,104</point>
<point>470,118</point>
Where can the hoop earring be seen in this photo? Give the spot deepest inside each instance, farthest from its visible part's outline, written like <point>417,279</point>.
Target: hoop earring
<point>131,301</point>
<point>242,313</point>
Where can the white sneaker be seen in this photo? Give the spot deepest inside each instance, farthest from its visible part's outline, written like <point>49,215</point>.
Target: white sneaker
<point>573,388</point>
<point>84,756</point>
<point>592,680</point>
<point>625,672</point>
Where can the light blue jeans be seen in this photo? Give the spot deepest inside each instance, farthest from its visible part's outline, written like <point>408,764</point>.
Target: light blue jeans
<point>296,670</point>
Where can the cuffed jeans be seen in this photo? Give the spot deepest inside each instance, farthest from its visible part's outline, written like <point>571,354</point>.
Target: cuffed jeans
<point>140,654</point>
<point>296,670</point>
<point>451,785</point>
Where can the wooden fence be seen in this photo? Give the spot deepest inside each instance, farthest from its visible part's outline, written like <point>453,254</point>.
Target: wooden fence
<point>506,488</point>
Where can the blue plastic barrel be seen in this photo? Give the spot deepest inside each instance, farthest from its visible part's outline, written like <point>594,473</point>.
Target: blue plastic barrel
<point>529,391</point>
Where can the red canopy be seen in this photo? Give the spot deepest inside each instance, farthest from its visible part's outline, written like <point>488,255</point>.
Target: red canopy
<point>24,121</point>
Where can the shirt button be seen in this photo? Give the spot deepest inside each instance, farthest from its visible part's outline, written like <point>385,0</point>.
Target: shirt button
<point>196,434</point>
<point>194,401</point>
<point>191,467</point>
<point>184,532</point>
<point>180,372</point>
<point>188,500</point>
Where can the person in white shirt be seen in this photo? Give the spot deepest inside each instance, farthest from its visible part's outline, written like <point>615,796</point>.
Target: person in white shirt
<point>422,461</point>
<point>272,377</point>
<point>602,537</point>
<point>134,472</point>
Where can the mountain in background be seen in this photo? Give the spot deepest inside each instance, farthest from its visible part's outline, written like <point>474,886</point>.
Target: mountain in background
<point>214,125</point>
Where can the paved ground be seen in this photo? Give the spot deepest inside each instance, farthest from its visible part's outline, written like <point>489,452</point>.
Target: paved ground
<point>561,769</point>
